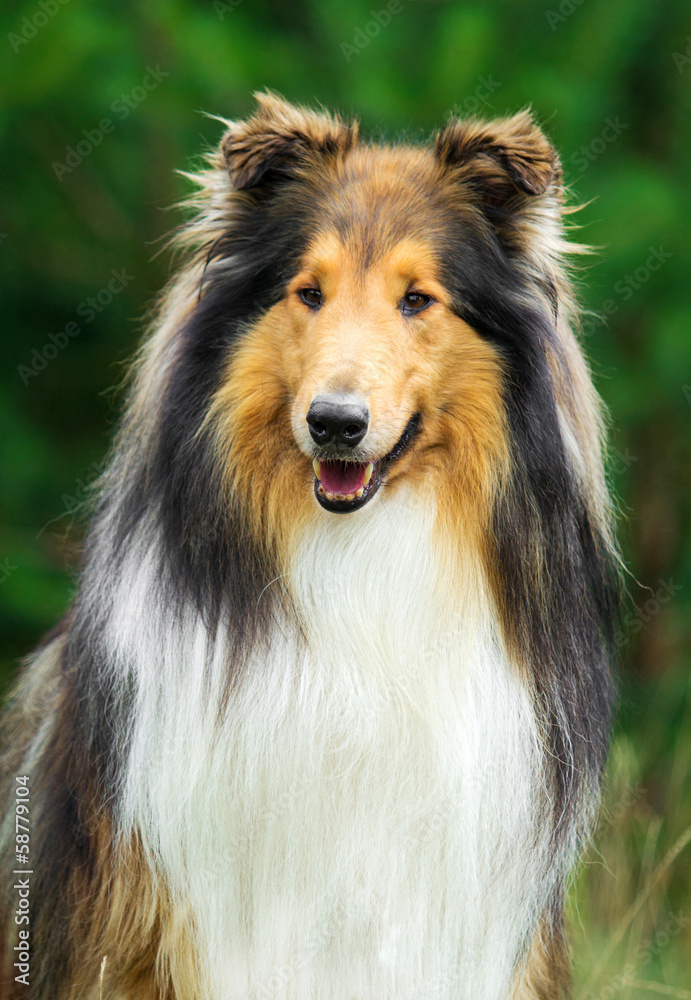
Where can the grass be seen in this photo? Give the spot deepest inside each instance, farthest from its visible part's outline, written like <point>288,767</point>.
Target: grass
<point>630,907</point>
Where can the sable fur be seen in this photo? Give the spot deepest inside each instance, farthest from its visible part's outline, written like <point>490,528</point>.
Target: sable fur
<point>461,731</point>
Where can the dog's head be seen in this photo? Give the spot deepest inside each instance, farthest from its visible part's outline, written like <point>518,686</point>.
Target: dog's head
<point>386,301</point>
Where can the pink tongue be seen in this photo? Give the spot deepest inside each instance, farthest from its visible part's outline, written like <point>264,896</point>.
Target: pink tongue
<point>342,477</point>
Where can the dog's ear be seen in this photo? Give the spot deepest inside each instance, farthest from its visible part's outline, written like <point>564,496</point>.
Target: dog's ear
<point>501,160</point>
<point>280,138</point>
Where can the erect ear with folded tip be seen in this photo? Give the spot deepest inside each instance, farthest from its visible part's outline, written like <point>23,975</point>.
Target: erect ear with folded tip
<point>505,161</point>
<point>279,139</point>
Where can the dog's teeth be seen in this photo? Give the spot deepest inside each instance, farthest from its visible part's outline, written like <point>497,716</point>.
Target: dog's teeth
<point>317,469</point>
<point>358,493</point>
<point>330,496</point>
<point>350,496</point>
<point>368,472</point>
<point>321,490</point>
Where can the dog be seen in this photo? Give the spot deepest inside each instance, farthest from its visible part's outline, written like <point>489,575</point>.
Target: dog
<point>328,715</point>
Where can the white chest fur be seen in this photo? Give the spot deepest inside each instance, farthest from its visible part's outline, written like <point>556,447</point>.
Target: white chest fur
<point>363,825</point>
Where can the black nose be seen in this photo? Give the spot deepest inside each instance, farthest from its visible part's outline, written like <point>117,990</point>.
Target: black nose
<point>337,420</point>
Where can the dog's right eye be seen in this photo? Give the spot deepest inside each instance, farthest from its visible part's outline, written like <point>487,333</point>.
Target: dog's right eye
<point>312,297</point>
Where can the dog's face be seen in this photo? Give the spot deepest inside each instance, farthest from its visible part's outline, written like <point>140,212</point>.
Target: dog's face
<point>368,370</point>
<point>374,355</point>
<point>362,339</point>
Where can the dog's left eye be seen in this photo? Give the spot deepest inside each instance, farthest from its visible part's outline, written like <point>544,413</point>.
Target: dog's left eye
<point>414,302</point>
<point>312,297</point>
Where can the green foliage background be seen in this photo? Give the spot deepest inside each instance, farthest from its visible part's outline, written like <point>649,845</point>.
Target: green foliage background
<point>580,65</point>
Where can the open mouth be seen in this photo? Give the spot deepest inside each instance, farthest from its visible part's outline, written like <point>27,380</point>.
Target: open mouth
<point>344,486</point>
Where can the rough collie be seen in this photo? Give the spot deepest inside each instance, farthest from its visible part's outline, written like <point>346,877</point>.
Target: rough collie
<point>327,717</point>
